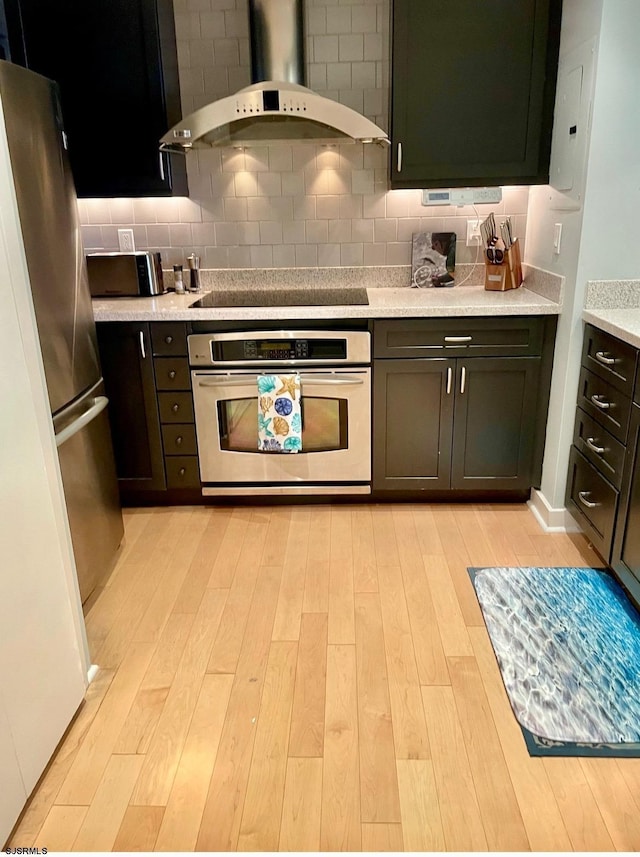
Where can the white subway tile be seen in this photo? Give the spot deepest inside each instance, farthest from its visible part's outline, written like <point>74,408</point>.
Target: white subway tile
<point>262,257</point>
<point>407,226</point>
<point>223,4</point>
<point>306,255</point>
<point>110,238</point>
<point>351,48</point>
<point>269,184</point>
<point>375,254</point>
<point>515,199</point>
<point>212,25</point>
<point>167,210</point>
<point>237,78</point>
<point>352,156</point>
<point>374,205</point>
<point>158,236</point>
<point>328,207</point>
<point>197,5</point>
<point>245,55</point>
<point>293,232</point>
<point>327,158</point>
<point>338,181</point>
<point>202,234</point>
<point>144,210</point>
<point>351,254</point>
<point>303,155</point>
<point>236,208</point>
<point>351,206</point>
<point>184,53</point>
<point>248,232</point>
<point>226,52</point>
<point>363,75</point>
<point>212,209</point>
<point>200,55</point>
<point>398,203</point>
<point>325,49</point>
<point>259,208</point>
<point>339,75</point>
<point>91,238</point>
<point>317,181</point>
<point>385,229</point>
<point>373,105</point>
<point>216,257</point>
<point>353,98</point>
<point>280,158</point>
<point>362,181</point>
<point>284,256</point>
<point>226,233</point>
<point>188,210</point>
<point>236,23</point>
<point>121,210</point>
<point>316,21</point>
<point>270,232</point>
<point>281,208</point>
<point>292,184</point>
<point>339,231</point>
<point>364,18</point>
<point>317,231</point>
<point>362,230</point>
<point>373,47</point>
<point>256,159</point>
<point>180,234</point>
<point>329,255</point>
<point>399,253</point>
<point>239,257</point>
<point>246,184</point>
<point>187,25</point>
<point>232,160</point>
<point>339,20</point>
<point>317,72</point>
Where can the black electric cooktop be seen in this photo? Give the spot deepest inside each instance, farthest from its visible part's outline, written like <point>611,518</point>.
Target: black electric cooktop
<point>282,297</point>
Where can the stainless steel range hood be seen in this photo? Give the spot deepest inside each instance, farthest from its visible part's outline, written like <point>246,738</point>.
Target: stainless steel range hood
<point>277,106</point>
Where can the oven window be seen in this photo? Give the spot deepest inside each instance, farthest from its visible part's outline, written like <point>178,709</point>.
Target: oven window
<point>324,425</point>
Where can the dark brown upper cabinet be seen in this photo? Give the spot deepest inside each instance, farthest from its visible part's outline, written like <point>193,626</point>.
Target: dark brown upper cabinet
<point>116,64</point>
<point>472,91</point>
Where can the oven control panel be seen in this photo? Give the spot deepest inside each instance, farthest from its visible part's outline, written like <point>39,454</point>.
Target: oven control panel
<point>296,349</point>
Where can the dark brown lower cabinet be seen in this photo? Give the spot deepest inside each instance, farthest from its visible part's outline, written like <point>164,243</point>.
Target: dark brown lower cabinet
<point>127,365</point>
<point>455,424</point>
<point>626,547</point>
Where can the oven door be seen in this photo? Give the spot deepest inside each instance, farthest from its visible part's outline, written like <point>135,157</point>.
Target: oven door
<point>336,429</point>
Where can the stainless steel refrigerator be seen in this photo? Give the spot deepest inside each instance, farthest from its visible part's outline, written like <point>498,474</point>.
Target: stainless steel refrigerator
<point>52,240</point>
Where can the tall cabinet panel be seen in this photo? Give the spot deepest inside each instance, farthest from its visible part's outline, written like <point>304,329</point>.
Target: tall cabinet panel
<point>116,64</point>
<point>473,88</point>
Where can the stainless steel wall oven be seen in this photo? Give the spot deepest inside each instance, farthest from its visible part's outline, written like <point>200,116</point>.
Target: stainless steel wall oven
<point>335,375</point>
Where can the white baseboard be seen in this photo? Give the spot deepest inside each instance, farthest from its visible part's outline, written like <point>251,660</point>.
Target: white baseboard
<point>92,672</point>
<point>551,520</point>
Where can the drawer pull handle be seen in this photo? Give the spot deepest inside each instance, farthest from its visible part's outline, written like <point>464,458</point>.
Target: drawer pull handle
<point>175,408</point>
<point>604,406</point>
<point>143,353</point>
<point>449,379</point>
<point>463,378</point>
<point>168,339</point>
<point>179,440</point>
<point>592,445</point>
<point>601,357</point>
<point>172,374</point>
<point>458,338</point>
<point>583,499</point>
<point>183,470</point>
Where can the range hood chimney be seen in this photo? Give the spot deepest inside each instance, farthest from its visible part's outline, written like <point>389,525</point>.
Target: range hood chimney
<point>277,107</point>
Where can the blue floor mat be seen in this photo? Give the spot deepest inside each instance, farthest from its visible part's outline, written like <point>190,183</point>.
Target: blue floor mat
<point>567,641</point>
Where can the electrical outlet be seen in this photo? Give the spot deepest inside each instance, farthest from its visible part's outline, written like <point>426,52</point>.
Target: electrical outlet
<point>125,241</point>
<point>473,232</point>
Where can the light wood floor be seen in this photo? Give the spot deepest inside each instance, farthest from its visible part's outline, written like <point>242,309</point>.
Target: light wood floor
<point>315,678</point>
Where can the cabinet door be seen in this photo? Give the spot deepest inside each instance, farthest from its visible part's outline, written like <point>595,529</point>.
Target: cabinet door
<point>116,64</point>
<point>413,408</point>
<point>626,548</point>
<point>127,365</point>
<point>473,88</point>
<point>494,423</point>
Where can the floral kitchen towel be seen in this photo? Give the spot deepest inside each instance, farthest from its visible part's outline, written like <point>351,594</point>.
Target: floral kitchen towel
<point>279,416</point>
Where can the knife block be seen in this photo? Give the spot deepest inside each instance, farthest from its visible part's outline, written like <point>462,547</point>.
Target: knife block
<point>507,275</point>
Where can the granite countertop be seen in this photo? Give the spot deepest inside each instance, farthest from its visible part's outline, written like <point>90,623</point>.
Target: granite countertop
<point>402,302</point>
<point>622,323</point>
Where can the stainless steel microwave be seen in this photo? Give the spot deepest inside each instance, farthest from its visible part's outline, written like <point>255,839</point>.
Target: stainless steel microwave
<point>125,274</point>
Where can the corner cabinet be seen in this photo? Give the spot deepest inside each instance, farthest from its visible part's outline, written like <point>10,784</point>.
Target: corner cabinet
<point>460,404</point>
<point>116,64</point>
<point>472,91</point>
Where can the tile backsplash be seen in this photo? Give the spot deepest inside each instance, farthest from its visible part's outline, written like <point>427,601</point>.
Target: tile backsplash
<point>287,205</point>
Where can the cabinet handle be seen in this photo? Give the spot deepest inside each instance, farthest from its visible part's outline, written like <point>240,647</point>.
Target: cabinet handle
<point>161,166</point>
<point>591,444</point>
<point>175,408</point>
<point>142,348</point>
<point>172,374</point>
<point>458,338</point>
<point>604,406</point>
<point>582,495</point>
<point>183,470</point>
<point>463,379</point>
<point>449,377</point>
<point>179,440</point>
<point>602,358</point>
<point>399,157</point>
<point>168,339</point>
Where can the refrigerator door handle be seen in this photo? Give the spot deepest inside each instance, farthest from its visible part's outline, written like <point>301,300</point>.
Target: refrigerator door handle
<point>99,404</point>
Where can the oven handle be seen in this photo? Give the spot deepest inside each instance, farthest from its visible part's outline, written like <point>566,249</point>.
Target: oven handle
<point>327,381</point>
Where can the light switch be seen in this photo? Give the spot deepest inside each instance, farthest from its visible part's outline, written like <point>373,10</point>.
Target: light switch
<point>557,237</point>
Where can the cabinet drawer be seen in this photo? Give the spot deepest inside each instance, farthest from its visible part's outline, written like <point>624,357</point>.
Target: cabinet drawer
<point>183,472</point>
<point>610,359</point>
<point>475,337</point>
<point>175,407</point>
<point>601,448</point>
<point>594,502</point>
<point>179,439</point>
<point>172,373</point>
<point>169,338</point>
<point>607,405</point>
